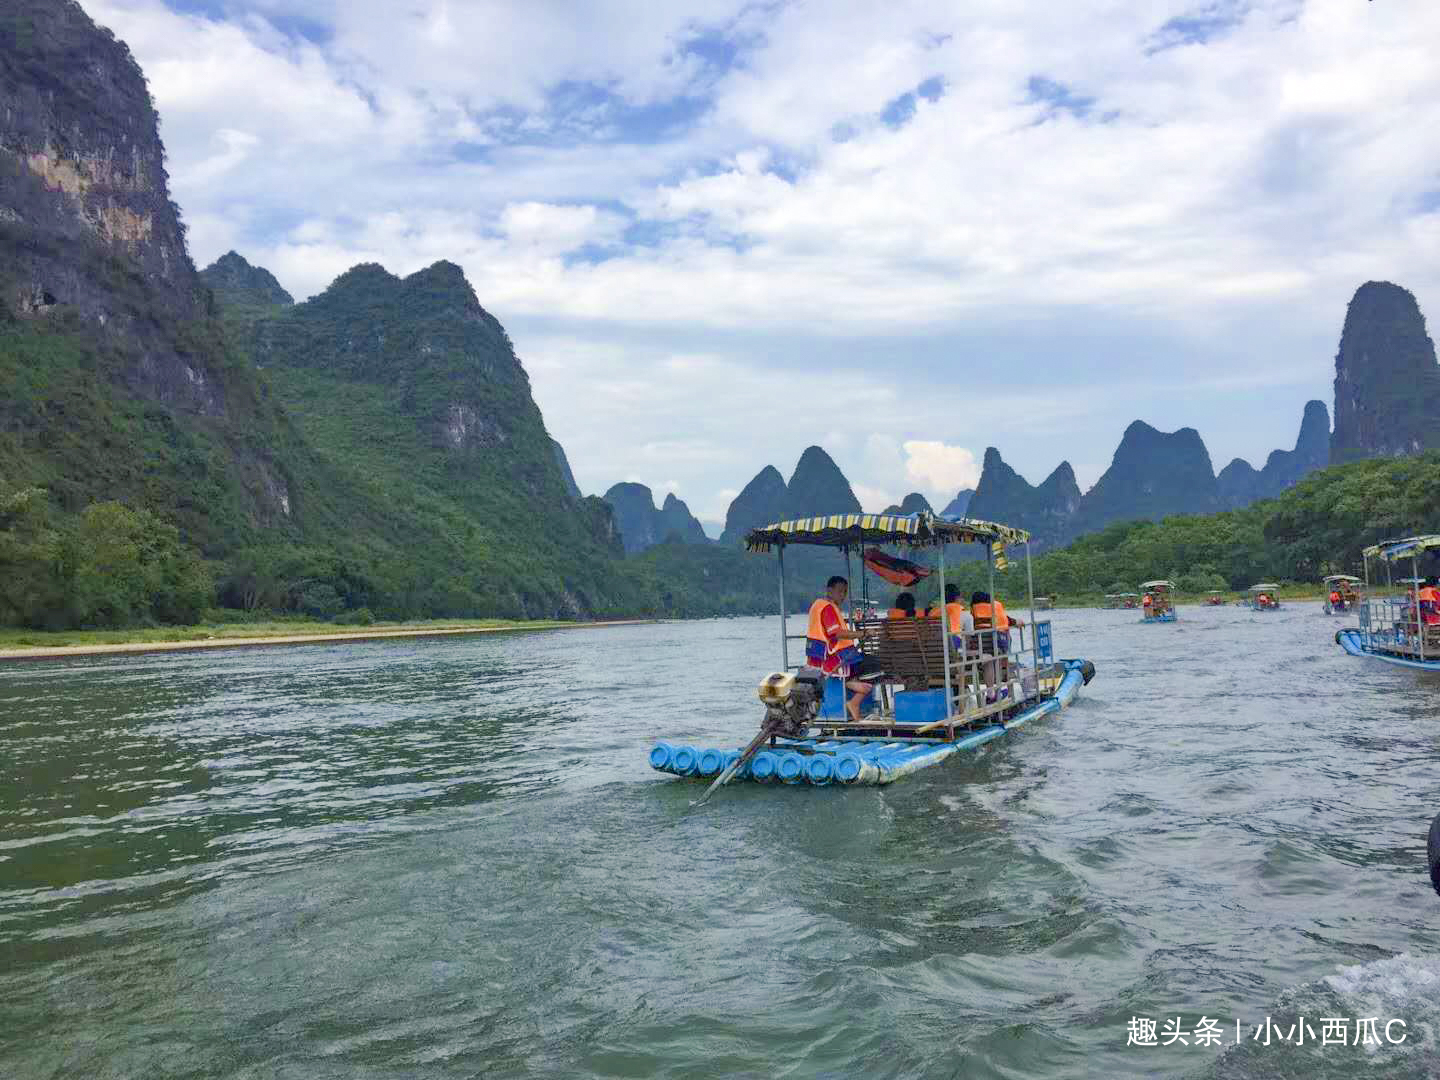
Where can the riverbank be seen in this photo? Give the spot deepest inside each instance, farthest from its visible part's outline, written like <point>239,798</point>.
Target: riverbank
<point>35,645</point>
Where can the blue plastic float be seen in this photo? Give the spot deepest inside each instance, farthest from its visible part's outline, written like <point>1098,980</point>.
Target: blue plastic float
<point>854,762</point>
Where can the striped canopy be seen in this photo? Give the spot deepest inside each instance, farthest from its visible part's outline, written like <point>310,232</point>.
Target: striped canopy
<point>1390,550</point>
<point>1264,587</point>
<point>911,530</point>
<point>1342,577</point>
<point>1158,585</point>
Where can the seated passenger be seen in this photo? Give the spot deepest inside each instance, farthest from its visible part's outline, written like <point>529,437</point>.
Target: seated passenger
<point>904,607</point>
<point>990,615</point>
<point>1429,597</point>
<point>832,648</point>
<point>959,620</point>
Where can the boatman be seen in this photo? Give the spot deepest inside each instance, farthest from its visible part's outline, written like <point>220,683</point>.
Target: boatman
<point>832,648</point>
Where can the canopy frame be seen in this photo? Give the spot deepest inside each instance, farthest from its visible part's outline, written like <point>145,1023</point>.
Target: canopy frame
<point>922,530</point>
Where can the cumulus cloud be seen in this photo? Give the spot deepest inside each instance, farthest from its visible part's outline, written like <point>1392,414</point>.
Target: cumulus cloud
<point>939,468</point>
<point>1056,216</point>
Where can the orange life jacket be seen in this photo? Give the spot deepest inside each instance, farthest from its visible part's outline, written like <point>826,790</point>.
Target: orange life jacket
<point>987,612</point>
<point>816,632</point>
<point>897,613</point>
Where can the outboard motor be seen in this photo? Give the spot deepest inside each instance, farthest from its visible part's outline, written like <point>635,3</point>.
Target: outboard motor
<point>792,701</point>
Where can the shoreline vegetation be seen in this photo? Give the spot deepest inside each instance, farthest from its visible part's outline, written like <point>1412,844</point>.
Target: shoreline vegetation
<point>39,645</point>
<point>20,644</point>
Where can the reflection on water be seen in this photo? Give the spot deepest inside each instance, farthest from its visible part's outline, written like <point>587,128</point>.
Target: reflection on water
<point>449,858</point>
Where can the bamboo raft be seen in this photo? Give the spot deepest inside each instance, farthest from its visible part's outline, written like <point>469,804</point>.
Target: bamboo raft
<point>855,760</point>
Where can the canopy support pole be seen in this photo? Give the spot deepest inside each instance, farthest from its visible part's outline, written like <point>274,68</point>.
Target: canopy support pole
<point>784,615</point>
<point>994,665</point>
<point>1365,609</point>
<point>849,592</point>
<point>1034,636</point>
<point>1415,601</point>
<point>945,635</point>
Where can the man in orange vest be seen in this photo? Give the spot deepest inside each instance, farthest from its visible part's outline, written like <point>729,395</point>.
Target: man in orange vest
<point>831,647</point>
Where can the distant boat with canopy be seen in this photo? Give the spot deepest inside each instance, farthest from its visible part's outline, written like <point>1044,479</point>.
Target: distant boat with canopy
<point>1404,629</point>
<point>1126,600</point>
<point>940,689</point>
<point>1264,597</point>
<point>1345,591</point>
<point>1215,598</point>
<point>1158,602</point>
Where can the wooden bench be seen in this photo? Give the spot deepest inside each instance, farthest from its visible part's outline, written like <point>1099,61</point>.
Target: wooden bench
<point>910,650</point>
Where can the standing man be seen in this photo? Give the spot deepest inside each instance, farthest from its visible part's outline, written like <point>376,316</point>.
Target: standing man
<point>832,648</point>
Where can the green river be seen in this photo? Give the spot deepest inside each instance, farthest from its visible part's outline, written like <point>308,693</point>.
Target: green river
<point>449,858</point>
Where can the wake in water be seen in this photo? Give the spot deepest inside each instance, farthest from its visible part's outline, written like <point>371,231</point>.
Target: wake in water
<point>1391,1014</point>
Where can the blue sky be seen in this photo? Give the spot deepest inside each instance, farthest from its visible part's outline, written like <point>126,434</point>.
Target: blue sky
<point>721,230</point>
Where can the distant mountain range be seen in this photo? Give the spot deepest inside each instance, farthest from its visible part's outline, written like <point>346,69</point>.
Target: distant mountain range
<point>642,526</point>
<point>1387,403</point>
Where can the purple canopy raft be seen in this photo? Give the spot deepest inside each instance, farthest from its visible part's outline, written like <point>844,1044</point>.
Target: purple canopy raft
<point>939,690</point>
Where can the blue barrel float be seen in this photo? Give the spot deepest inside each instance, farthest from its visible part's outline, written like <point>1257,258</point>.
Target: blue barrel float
<point>852,762</point>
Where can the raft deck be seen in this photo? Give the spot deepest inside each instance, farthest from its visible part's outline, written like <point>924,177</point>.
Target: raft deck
<point>858,754</point>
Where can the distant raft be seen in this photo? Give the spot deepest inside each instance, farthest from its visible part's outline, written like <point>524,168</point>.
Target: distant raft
<point>855,761</point>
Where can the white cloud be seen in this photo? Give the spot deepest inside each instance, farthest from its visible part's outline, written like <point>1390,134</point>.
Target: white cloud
<point>940,469</point>
<point>1178,246</point>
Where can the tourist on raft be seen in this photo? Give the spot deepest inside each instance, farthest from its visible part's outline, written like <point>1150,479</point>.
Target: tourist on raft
<point>904,607</point>
<point>960,620</point>
<point>832,648</point>
<point>990,615</point>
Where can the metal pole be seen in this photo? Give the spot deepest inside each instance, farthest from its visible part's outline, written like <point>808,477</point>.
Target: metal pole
<point>784,616</point>
<point>1390,601</point>
<point>944,632</point>
<point>1034,635</point>
<point>1415,594</point>
<point>994,630</point>
<point>1365,601</point>
<point>849,593</point>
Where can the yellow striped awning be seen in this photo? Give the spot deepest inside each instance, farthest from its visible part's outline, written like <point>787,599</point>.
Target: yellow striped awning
<point>1390,550</point>
<point>911,530</point>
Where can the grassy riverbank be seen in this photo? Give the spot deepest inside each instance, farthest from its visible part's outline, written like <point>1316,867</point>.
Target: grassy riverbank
<point>21,642</point>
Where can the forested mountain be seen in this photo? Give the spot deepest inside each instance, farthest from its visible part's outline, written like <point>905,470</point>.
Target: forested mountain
<point>960,505</point>
<point>1387,382</point>
<point>1317,527</point>
<point>388,456</point>
<point>760,502</point>
<point>1239,484</point>
<point>817,486</point>
<point>1004,496</point>
<point>117,381</point>
<point>914,503</point>
<point>642,525</point>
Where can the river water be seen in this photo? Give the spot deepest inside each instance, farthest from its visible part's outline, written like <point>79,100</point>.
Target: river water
<point>449,858</point>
